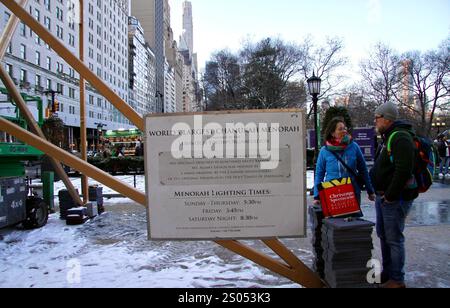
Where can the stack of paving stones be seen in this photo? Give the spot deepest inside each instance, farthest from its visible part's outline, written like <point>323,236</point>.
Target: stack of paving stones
<point>316,218</point>
<point>347,248</point>
<point>96,195</point>
<point>65,203</point>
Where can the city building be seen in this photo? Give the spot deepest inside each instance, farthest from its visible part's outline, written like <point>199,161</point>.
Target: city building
<point>191,99</point>
<point>38,70</point>
<point>142,70</point>
<point>188,26</point>
<point>406,91</point>
<point>170,91</point>
<point>150,13</point>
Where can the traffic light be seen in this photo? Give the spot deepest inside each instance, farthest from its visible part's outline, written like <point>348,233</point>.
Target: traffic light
<point>55,106</point>
<point>48,113</point>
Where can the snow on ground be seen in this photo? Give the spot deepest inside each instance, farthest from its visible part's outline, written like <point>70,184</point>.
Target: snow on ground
<point>140,183</point>
<point>113,251</point>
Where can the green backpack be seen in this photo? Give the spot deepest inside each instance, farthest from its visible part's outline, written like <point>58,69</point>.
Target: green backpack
<point>424,169</point>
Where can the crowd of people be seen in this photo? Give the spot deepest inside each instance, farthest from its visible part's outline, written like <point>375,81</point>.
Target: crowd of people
<point>108,151</point>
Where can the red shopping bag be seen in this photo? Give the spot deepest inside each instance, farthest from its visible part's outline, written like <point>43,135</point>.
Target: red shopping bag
<point>338,198</point>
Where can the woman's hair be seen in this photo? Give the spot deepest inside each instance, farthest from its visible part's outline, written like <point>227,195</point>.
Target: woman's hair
<point>331,128</point>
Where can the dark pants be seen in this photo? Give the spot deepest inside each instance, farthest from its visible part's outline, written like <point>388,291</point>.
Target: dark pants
<point>391,219</point>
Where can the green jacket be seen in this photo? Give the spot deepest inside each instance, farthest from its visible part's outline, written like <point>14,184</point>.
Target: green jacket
<point>391,175</point>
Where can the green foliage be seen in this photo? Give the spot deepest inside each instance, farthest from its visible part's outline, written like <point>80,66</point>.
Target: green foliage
<point>259,76</point>
<point>116,165</point>
<point>53,130</point>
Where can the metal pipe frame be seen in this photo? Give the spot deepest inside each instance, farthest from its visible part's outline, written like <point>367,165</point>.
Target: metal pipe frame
<point>294,269</point>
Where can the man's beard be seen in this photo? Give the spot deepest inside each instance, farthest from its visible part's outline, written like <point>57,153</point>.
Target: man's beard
<point>381,130</point>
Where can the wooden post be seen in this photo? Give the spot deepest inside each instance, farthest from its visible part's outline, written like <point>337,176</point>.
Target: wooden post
<point>83,128</point>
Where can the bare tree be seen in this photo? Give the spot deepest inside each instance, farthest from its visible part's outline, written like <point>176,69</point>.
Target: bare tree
<point>325,62</point>
<point>360,106</point>
<point>380,73</point>
<point>428,84</point>
<point>418,82</point>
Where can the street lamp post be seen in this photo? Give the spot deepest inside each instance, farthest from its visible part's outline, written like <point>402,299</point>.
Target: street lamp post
<point>99,134</point>
<point>438,124</point>
<point>314,85</point>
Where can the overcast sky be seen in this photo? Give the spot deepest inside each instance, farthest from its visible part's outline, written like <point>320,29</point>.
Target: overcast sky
<point>402,24</point>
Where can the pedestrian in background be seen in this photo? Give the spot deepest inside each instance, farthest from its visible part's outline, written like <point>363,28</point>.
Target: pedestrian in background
<point>444,153</point>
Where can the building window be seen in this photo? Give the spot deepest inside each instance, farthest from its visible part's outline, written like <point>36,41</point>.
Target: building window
<point>37,15</point>
<point>6,17</point>
<point>60,32</point>
<point>49,84</point>
<point>49,63</point>
<point>23,51</point>
<point>23,76</point>
<point>60,88</point>
<point>72,93</point>
<point>9,69</point>
<point>38,58</point>
<point>48,23</point>
<point>59,14</point>
<point>60,68</point>
<point>71,40</point>
<point>91,100</point>
<point>37,81</point>
<point>23,29</point>
<point>47,5</point>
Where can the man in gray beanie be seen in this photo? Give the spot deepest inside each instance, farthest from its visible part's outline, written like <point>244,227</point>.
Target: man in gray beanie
<point>388,111</point>
<point>392,176</point>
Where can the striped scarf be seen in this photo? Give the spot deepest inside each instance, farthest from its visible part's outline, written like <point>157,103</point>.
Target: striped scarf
<point>336,145</point>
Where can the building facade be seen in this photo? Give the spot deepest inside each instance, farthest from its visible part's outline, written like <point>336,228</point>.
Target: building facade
<point>170,89</point>
<point>150,13</point>
<point>38,70</point>
<point>191,99</point>
<point>142,87</point>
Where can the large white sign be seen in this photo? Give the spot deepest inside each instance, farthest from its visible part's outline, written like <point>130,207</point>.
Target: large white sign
<point>236,175</point>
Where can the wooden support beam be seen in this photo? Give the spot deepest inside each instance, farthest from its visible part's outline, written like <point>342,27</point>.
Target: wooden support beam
<point>83,127</point>
<point>304,277</point>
